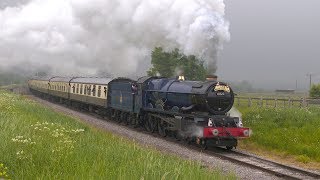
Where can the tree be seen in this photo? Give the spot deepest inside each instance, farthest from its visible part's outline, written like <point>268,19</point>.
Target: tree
<point>243,86</point>
<point>174,63</point>
<point>315,91</point>
<point>7,78</point>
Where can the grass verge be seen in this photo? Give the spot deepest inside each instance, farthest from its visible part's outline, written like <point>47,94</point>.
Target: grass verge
<point>292,132</point>
<point>37,143</point>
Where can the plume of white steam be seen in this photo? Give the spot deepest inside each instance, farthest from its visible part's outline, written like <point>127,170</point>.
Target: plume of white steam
<point>234,112</point>
<point>116,36</point>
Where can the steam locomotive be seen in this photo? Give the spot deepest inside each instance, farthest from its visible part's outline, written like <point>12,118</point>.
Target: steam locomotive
<point>192,110</point>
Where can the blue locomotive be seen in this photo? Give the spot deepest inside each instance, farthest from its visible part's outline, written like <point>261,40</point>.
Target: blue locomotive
<point>191,110</point>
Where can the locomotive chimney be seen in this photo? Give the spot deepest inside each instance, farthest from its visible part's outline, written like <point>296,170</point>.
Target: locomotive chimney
<point>211,77</point>
<point>181,78</point>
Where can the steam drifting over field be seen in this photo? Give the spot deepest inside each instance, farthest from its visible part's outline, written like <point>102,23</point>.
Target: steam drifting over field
<point>114,36</point>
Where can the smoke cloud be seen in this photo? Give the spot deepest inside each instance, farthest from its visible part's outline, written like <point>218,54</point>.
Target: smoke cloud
<point>234,112</point>
<point>82,37</point>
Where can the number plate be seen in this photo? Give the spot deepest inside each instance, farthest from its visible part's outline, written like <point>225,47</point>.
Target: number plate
<point>220,93</point>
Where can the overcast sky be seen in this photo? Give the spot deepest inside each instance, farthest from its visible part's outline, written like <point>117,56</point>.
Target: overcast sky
<point>273,42</point>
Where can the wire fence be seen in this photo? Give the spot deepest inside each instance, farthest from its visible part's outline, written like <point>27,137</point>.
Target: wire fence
<point>275,102</point>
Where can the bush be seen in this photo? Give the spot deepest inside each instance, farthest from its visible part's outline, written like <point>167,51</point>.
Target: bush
<point>315,91</point>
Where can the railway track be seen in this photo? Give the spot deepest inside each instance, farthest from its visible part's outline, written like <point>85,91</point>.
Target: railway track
<point>275,168</point>
<point>241,158</point>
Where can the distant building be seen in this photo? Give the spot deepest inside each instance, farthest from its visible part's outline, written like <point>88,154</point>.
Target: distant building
<point>291,91</point>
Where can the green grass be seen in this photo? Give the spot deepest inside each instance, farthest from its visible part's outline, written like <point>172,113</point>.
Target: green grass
<point>37,143</point>
<point>292,131</point>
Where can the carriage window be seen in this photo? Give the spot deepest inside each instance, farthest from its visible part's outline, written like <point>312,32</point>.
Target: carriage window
<point>85,90</point>
<point>94,90</point>
<point>81,86</point>
<point>89,90</point>
<point>105,91</point>
<point>73,89</point>
<point>77,91</point>
<point>99,91</point>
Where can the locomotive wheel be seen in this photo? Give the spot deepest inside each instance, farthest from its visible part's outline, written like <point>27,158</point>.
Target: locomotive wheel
<point>109,114</point>
<point>150,123</point>
<point>229,147</point>
<point>129,119</point>
<point>132,120</point>
<point>203,144</point>
<point>117,116</point>
<point>124,118</point>
<point>162,128</point>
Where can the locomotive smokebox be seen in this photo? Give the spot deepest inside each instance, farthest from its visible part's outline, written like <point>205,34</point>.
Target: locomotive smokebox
<point>211,77</point>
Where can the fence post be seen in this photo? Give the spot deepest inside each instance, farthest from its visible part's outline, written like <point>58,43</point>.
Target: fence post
<point>238,101</point>
<point>249,102</point>
<point>261,102</point>
<point>275,103</point>
<point>306,101</point>
<point>266,102</point>
<point>303,102</point>
<point>289,103</point>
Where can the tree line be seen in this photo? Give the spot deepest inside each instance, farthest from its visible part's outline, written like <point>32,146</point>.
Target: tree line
<point>175,63</point>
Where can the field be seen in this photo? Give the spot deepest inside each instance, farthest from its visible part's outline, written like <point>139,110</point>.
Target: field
<point>288,131</point>
<point>37,143</point>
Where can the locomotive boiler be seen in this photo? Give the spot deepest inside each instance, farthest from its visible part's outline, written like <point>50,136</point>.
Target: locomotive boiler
<point>210,97</point>
<point>194,109</point>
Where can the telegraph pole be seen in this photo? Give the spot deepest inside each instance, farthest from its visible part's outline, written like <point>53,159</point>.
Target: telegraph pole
<point>310,80</point>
